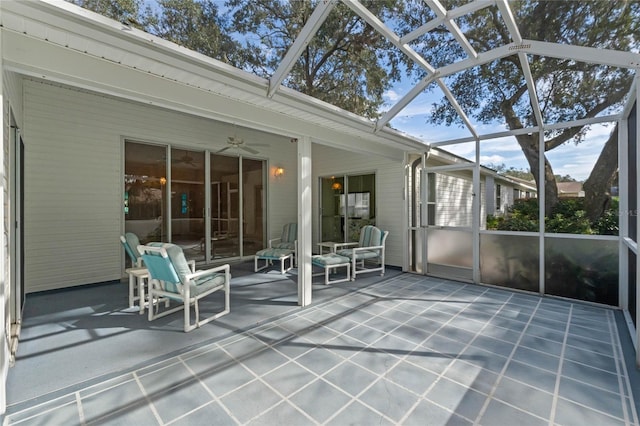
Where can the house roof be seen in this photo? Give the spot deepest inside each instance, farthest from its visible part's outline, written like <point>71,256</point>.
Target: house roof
<point>569,187</point>
<point>60,42</point>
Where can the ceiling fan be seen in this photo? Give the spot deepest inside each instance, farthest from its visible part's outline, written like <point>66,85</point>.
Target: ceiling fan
<point>185,159</point>
<point>237,142</point>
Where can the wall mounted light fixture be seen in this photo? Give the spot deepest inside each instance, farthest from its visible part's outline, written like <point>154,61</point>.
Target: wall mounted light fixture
<point>278,172</point>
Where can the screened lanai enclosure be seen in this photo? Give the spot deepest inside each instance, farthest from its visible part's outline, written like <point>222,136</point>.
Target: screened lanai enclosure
<point>495,140</point>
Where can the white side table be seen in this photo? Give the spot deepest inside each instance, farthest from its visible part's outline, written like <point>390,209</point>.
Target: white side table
<point>137,277</point>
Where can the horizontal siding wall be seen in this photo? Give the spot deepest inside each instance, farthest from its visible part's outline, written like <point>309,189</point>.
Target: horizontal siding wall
<point>454,201</point>
<point>389,192</point>
<point>74,178</point>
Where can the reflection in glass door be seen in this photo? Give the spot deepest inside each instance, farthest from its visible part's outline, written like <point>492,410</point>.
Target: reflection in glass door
<point>331,224</point>
<point>144,191</point>
<point>187,201</point>
<point>358,206</point>
<point>225,208</point>
<point>347,204</point>
<point>253,213</point>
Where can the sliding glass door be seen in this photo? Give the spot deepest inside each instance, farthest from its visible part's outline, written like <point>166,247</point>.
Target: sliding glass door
<point>195,199</point>
<point>253,202</point>
<point>225,207</point>
<point>347,204</point>
<point>188,201</point>
<point>145,197</point>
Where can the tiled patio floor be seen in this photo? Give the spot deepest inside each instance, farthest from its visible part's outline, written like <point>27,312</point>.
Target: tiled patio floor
<point>409,350</point>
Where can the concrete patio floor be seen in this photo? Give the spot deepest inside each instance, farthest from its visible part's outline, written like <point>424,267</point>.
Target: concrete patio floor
<point>403,349</point>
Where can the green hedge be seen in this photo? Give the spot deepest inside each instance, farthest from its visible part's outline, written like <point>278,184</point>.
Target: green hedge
<point>568,217</point>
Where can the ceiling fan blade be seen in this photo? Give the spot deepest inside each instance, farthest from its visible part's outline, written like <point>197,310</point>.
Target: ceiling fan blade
<point>223,149</point>
<point>246,148</point>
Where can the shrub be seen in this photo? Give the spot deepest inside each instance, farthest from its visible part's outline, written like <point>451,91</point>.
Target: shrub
<point>568,217</point>
<point>608,223</point>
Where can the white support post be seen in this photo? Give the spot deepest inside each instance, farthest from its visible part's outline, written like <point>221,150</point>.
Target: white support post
<point>637,183</point>
<point>304,220</point>
<point>5,292</point>
<point>477,208</point>
<point>541,205</point>
<point>623,219</point>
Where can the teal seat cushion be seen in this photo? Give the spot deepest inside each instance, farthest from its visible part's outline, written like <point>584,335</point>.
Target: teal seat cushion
<point>273,253</point>
<point>360,255</point>
<point>131,247</point>
<point>370,236</point>
<point>178,262</point>
<point>206,283</point>
<point>176,255</point>
<point>329,259</point>
<point>288,246</point>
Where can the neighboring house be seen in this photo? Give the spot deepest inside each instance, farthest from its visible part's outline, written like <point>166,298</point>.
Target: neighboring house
<point>570,189</point>
<point>452,205</point>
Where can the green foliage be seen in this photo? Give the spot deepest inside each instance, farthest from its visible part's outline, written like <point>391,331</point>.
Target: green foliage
<point>120,10</point>
<point>575,223</point>
<point>511,171</point>
<point>565,178</point>
<point>568,89</point>
<point>347,63</point>
<point>608,223</point>
<point>568,217</point>
<point>194,24</point>
<point>568,207</point>
<point>521,216</point>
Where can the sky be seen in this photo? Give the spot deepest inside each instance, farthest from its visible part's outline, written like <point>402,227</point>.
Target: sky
<point>570,159</point>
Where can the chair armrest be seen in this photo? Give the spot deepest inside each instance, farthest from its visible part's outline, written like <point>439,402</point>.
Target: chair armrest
<point>368,248</point>
<point>271,241</point>
<point>205,272</point>
<point>344,245</point>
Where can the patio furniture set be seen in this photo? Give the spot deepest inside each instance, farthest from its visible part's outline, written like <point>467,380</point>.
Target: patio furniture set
<point>166,274</point>
<point>366,255</point>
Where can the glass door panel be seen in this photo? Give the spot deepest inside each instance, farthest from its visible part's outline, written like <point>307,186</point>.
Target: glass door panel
<point>253,213</point>
<point>359,204</point>
<point>332,219</point>
<point>188,202</point>
<point>347,204</point>
<point>225,209</point>
<point>145,200</point>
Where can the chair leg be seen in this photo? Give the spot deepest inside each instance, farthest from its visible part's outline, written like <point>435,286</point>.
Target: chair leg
<point>141,299</point>
<point>353,268</point>
<point>131,288</point>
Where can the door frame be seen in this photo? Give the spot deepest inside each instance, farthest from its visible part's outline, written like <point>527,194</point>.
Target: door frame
<point>418,202</point>
<point>16,239</point>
